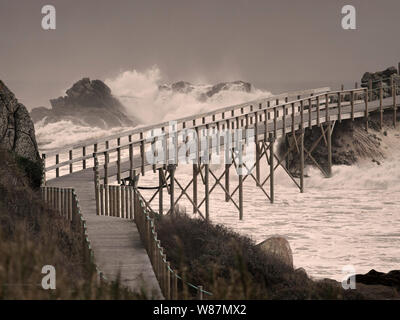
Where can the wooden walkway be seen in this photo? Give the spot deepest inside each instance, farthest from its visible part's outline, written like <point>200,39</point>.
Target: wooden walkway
<point>116,242</point>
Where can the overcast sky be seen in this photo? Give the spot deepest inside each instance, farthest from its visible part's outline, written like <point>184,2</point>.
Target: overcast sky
<point>274,44</point>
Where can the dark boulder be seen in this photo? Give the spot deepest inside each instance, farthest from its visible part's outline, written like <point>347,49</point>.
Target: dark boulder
<point>390,279</point>
<point>88,103</point>
<point>17,133</point>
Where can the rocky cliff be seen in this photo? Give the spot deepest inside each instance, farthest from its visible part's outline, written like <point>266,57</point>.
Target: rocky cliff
<point>17,133</point>
<point>89,103</point>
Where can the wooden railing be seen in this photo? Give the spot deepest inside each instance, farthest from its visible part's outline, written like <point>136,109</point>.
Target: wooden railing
<point>81,154</point>
<point>293,115</point>
<point>65,201</point>
<point>127,203</point>
<point>270,111</point>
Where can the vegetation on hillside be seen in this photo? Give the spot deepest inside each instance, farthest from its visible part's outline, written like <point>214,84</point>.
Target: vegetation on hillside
<point>32,236</point>
<point>231,266</point>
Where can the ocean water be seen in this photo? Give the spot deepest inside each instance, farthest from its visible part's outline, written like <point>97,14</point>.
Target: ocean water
<point>352,218</point>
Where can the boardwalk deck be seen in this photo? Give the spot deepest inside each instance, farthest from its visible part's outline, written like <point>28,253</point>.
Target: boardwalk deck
<point>116,242</point>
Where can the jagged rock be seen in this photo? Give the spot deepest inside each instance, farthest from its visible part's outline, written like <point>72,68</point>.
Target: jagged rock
<point>378,77</point>
<point>17,132</point>
<point>205,92</point>
<point>235,86</point>
<point>87,103</point>
<point>280,248</point>
<point>390,279</point>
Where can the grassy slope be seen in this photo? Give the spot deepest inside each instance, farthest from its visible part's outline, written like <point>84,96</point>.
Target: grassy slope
<point>32,236</point>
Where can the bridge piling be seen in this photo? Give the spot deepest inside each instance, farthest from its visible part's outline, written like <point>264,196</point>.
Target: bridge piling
<point>172,169</point>
<point>160,191</point>
<point>195,174</point>
<point>272,167</point>
<point>302,161</point>
<point>329,143</point>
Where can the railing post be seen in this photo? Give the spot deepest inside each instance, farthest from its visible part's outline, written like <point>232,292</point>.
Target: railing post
<point>84,160</point>
<point>200,293</point>
<point>370,89</point>
<point>340,107</point>
<point>71,168</point>
<point>57,162</point>
<point>326,107</point>
<point>352,104</point>
<point>43,182</point>
<point>171,169</point>
<point>119,165</point>
<point>175,293</point>
<point>96,183</point>
<point>142,155</point>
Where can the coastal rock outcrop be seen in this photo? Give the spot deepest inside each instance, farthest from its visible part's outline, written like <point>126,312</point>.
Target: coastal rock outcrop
<point>88,103</point>
<point>376,79</point>
<point>278,247</point>
<point>204,92</point>
<point>17,132</point>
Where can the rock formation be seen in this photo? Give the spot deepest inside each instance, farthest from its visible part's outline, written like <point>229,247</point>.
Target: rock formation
<point>279,247</point>
<point>204,92</point>
<point>88,103</point>
<point>17,132</point>
<point>376,78</point>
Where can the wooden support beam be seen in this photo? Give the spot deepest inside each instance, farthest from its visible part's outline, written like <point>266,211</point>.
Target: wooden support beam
<point>258,161</point>
<point>171,169</point>
<point>240,191</point>
<point>207,190</point>
<point>160,191</point>
<point>195,173</point>
<point>272,169</point>
<point>302,161</point>
<point>227,176</point>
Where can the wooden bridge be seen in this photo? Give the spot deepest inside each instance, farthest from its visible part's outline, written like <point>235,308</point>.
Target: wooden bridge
<point>97,168</point>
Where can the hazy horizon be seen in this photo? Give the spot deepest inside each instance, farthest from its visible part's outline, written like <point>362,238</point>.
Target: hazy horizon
<point>275,45</point>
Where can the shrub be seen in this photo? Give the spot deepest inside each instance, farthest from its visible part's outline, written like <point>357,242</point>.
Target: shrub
<point>231,266</point>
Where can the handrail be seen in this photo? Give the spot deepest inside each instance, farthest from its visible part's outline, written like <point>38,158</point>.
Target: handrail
<point>348,96</point>
<point>127,203</point>
<point>65,201</point>
<point>189,118</point>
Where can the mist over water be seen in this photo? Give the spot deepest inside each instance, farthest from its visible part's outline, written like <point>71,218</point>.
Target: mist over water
<point>351,219</point>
